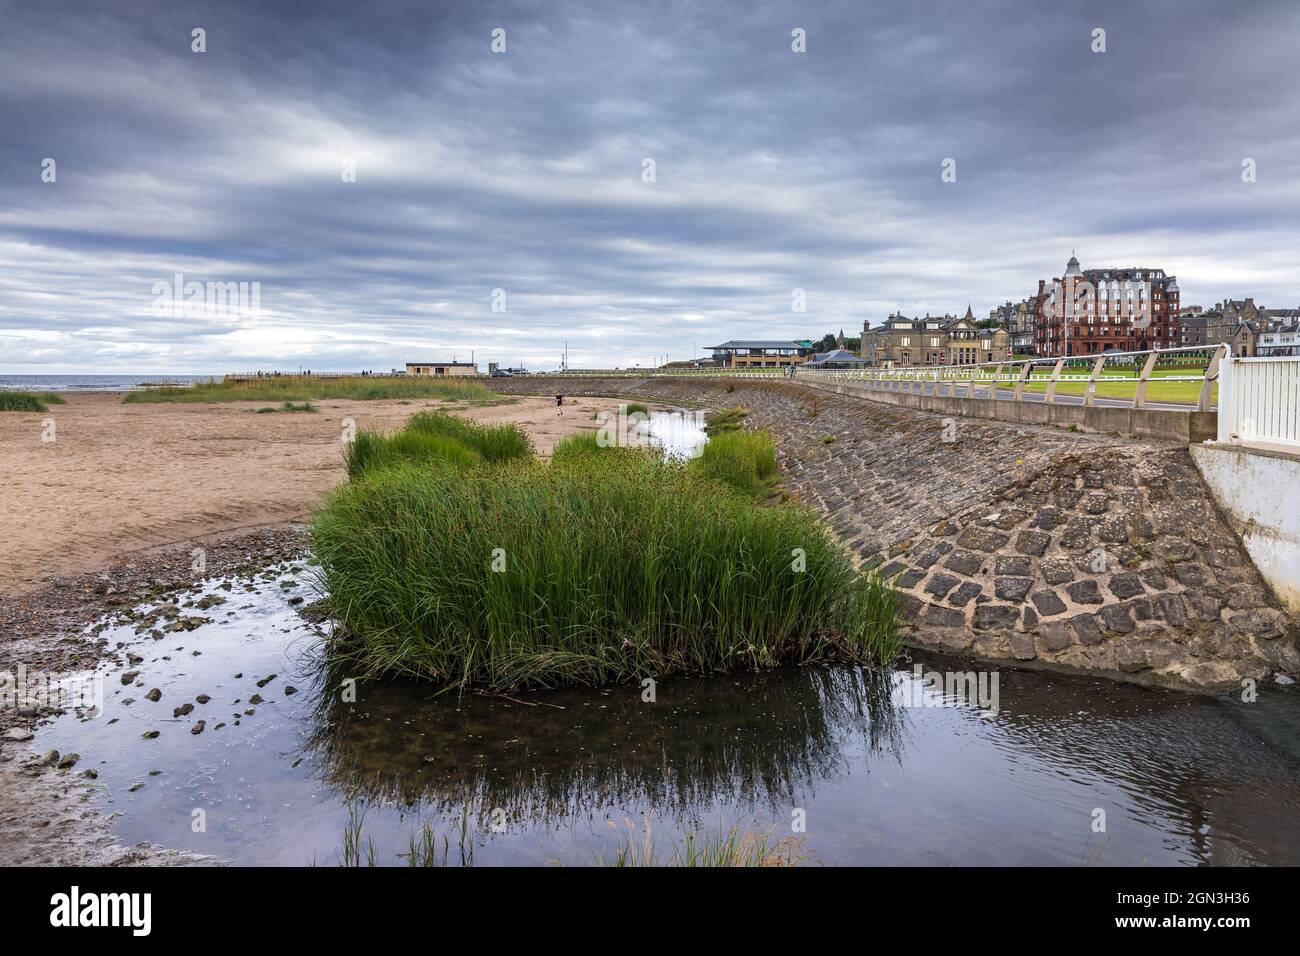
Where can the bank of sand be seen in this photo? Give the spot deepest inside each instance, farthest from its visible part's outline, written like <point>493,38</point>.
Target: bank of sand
<point>120,479</point>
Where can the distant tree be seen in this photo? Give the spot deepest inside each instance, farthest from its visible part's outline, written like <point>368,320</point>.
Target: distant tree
<point>853,345</point>
<point>826,344</point>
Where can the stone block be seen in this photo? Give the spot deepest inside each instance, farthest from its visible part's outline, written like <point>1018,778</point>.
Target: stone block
<point>1048,603</point>
<point>1125,585</point>
<point>1084,592</point>
<point>1033,542</point>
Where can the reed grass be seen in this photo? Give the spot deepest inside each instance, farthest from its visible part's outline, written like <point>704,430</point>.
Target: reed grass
<point>577,446</point>
<point>301,388</point>
<point>436,438</point>
<point>494,442</point>
<point>727,420</point>
<point>746,461</point>
<point>728,847</point>
<point>606,565</point>
<point>29,401</point>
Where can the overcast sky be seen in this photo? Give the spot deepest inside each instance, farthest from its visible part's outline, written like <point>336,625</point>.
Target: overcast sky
<point>524,171</point>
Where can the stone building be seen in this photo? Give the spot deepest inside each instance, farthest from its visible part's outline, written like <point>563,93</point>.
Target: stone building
<point>934,340</point>
<point>1018,319</point>
<point>1191,329</point>
<point>1090,311</point>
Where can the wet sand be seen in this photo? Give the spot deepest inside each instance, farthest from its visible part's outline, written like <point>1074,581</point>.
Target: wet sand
<point>120,479</point>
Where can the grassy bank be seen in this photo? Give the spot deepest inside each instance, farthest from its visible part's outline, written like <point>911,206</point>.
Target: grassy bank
<point>29,401</point>
<point>604,565</point>
<point>304,388</point>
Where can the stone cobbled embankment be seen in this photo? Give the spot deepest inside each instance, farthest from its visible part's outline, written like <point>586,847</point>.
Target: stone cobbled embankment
<point>1077,552</point>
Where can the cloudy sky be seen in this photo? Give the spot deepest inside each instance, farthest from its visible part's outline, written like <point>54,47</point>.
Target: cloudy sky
<point>525,171</point>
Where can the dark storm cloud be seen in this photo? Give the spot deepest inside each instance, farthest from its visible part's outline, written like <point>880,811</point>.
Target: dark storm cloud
<point>522,171</point>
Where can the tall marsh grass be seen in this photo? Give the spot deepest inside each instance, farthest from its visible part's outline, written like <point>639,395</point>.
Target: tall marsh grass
<point>302,388</point>
<point>746,461</point>
<point>436,438</point>
<point>603,566</point>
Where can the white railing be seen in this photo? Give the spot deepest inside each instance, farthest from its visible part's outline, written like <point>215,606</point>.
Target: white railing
<point>1259,403</point>
<point>1010,380</point>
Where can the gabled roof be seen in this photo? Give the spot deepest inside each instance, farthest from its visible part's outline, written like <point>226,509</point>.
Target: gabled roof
<point>838,356</point>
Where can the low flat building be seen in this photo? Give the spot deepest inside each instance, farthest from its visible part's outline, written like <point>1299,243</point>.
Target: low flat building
<point>440,369</point>
<point>760,353</point>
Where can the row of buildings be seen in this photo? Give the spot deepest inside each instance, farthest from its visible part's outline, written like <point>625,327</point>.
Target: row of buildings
<point>1082,312</point>
<point>1250,329</point>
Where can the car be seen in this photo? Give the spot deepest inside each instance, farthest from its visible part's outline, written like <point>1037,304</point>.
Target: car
<point>502,373</point>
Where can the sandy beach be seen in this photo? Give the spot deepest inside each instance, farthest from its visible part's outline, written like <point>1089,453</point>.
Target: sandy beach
<point>123,478</point>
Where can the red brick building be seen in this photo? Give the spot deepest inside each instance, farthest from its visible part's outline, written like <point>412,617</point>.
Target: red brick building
<point>1089,311</point>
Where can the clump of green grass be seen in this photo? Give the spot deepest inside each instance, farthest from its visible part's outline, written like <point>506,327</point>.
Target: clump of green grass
<point>746,461</point>
<point>727,420</point>
<point>435,438</point>
<point>592,569</point>
<point>494,442</point>
<point>577,446</point>
<point>635,408</point>
<point>370,451</point>
<point>828,440</point>
<point>29,401</point>
<point>301,388</point>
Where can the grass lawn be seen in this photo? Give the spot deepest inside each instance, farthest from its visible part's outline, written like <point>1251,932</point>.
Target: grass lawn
<point>1157,390</point>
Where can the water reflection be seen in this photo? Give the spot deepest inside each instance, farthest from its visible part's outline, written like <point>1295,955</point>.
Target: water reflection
<point>882,775</point>
<point>680,433</point>
<point>742,738</point>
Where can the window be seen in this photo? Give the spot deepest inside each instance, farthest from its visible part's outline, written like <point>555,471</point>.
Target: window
<point>906,340</point>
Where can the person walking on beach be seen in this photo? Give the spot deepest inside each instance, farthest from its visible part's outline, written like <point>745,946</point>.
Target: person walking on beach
<point>559,404</point>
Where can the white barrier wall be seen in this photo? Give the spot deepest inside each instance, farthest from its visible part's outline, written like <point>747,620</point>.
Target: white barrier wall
<point>1259,402</point>
<point>1259,493</point>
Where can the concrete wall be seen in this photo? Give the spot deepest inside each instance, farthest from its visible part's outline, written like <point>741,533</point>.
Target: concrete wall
<point>1259,494</point>
<point>1184,427</point>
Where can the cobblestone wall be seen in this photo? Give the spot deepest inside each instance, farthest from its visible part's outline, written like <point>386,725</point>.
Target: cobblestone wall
<point>1008,542</point>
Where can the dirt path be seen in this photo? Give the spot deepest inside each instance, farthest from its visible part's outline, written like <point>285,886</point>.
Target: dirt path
<point>119,479</point>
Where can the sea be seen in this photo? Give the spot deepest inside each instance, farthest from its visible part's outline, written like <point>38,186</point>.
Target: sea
<point>94,383</point>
